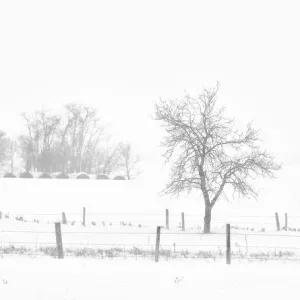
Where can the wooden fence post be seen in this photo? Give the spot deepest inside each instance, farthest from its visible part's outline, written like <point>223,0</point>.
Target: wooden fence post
<point>59,244</point>
<point>157,244</point>
<point>182,221</point>
<point>83,217</point>
<point>277,221</point>
<point>167,219</point>
<point>64,218</point>
<point>228,246</point>
<point>286,222</point>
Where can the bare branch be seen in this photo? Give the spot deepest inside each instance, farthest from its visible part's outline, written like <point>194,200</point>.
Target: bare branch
<point>208,152</point>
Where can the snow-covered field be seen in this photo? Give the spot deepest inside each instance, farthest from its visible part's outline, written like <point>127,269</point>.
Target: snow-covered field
<point>125,215</point>
<point>82,279</point>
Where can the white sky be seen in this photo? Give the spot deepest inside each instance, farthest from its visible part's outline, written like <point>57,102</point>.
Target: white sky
<point>122,56</point>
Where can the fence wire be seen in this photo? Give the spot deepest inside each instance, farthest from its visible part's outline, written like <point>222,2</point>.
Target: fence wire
<point>168,248</point>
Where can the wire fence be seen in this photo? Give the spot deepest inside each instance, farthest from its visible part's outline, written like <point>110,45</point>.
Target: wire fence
<point>150,220</point>
<point>252,237</point>
<point>174,243</point>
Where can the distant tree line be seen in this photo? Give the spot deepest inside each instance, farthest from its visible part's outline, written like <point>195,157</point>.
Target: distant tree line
<point>73,142</point>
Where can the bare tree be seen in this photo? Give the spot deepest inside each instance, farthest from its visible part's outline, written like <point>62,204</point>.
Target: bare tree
<point>66,142</point>
<point>3,147</point>
<point>107,159</point>
<point>42,129</point>
<point>128,161</point>
<point>209,153</point>
<point>30,143</point>
<point>48,127</point>
<point>84,134</point>
<point>12,153</point>
<point>27,152</point>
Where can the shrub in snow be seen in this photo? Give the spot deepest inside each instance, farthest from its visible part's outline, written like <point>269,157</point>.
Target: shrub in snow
<point>9,175</point>
<point>45,175</point>
<point>83,176</point>
<point>26,175</point>
<point>102,176</point>
<point>62,176</point>
<point>119,178</point>
<point>20,218</point>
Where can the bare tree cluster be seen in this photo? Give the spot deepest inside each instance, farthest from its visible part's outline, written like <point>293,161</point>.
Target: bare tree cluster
<point>71,142</point>
<point>3,147</point>
<point>8,151</point>
<point>208,153</point>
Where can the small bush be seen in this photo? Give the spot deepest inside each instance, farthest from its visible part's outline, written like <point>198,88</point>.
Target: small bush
<point>93,223</point>
<point>45,175</point>
<point>20,218</point>
<point>26,175</point>
<point>119,178</point>
<point>136,251</point>
<point>62,176</point>
<point>102,176</point>
<point>51,251</point>
<point>83,176</point>
<point>85,252</point>
<point>9,175</point>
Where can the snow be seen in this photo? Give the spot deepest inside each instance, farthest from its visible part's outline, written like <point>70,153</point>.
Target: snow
<point>138,202</point>
<point>81,279</point>
<point>142,195</point>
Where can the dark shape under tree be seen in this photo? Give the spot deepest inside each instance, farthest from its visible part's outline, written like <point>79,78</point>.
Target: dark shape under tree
<point>9,175</point>
<point>26,175</point>
<point>83,176</point>
<point>45,176</point>
<point>102,177</point>
<point>119,178</point>
<point>62,176</point>
<point>208,153</point>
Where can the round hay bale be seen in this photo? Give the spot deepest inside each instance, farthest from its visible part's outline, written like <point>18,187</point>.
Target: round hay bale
<point>83,176</point>
<point>119,178</point>
<point>9,175</point>
<point>45,175</point>
<point>62,176</point>
<point>26,175</point>
<point>102,176</point>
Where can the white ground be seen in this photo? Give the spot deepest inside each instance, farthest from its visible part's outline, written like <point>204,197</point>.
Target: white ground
<point>82,279</point>
<point>141,195</point>
<point>75,279</point>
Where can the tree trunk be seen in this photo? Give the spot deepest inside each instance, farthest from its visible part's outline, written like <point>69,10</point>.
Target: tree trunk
<point>207,219</point>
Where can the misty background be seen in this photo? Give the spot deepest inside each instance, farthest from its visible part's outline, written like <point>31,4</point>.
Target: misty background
<point>122,57</point>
